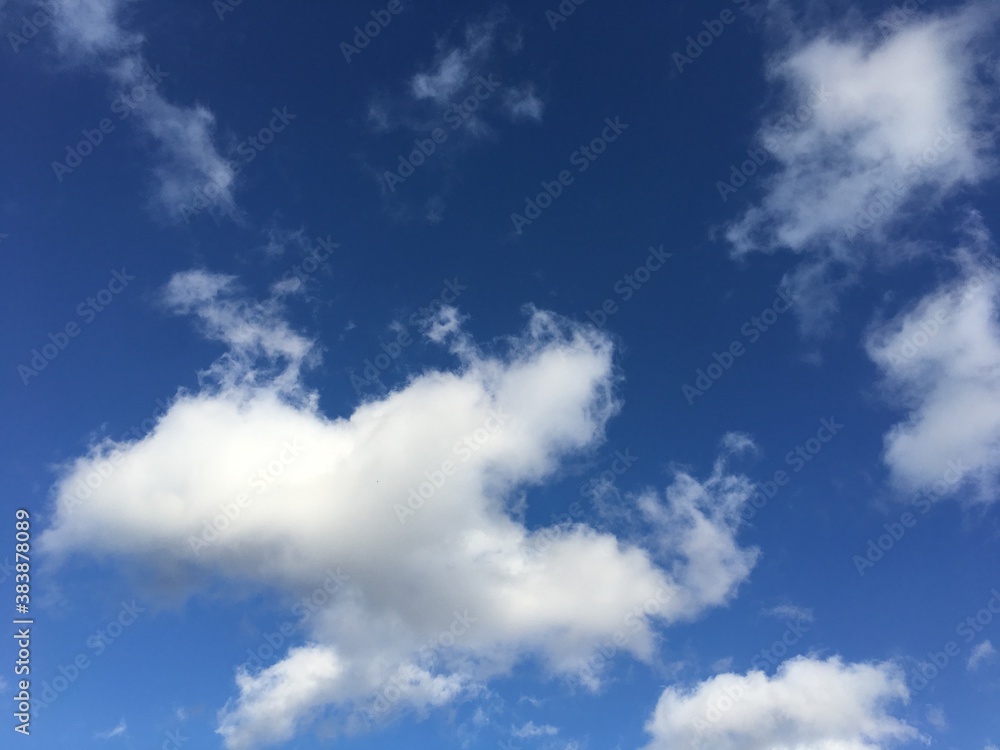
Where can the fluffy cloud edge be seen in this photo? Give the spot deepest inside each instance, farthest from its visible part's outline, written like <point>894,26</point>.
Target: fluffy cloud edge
<point>809,704</point>
<point>179,499</point>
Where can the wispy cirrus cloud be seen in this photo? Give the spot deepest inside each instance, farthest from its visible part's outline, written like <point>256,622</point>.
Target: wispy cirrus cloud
<point>790,612</point>
<point>454,66</point>
<point>443,91</point>
<point>531,729</point>
<point>457,101</point>
<point>981,654</point>
<point>117,731</point>
<point>94,33</point>
<point>523,103</point>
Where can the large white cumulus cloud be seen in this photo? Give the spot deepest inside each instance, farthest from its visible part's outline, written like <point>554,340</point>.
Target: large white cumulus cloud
<point>412,497</point>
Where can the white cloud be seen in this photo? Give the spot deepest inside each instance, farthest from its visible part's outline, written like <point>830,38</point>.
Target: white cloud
<point>808,705</point>
<point>280,239</point>
<point>875,128</point>
<point>116,731</point>
<point>454,67</point>
<point>790,612</point>
<point>982,653</point>
<point>448,76</point>
<point>738,443</point>
<point>287,287</point>
<point>273,702</point>
<point>189,167</point>
<point>696,526</point>
<point>259,341</point>
<point>937,718</point>
<point>441,594</point>
<point>86,29</point>
<point>190,171</point>
<point>465,83</point>
<point>533,730</point>
<point>722,665</point>
<point>522,103</point>
<point>940,360</point>
<point>465,93</point>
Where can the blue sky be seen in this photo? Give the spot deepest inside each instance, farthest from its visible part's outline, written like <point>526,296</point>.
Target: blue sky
<point>483,375</point>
